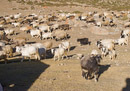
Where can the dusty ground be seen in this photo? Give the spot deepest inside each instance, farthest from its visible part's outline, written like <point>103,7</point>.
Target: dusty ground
<point>65,75</point>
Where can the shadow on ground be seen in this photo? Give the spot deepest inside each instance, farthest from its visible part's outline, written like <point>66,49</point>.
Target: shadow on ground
<point>102,69</point>
<point>127,87</point>
<point>72,48</point>
<point>20,76</point>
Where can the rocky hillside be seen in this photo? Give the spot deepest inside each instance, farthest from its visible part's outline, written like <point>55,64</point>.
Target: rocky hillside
<point>108,4</point>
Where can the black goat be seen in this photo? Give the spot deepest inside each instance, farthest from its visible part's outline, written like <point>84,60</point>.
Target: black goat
<point>91,65</point>
<point>84,41</point>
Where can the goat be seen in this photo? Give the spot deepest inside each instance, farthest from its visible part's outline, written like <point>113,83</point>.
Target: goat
<point>16,16</point>
<point>26,28</point>
<point>60,35</point>
<point>125,32</point>
<point>8,49</point>
<point>2,43</point>
<point>127,24</point>
<point>91,65</point>
<point>28,51</point>
<point>107,46</point>
<point>3,56</point>
<point>58,52</point>
<point>64,27</point>
<point>48,44</point>
<point>35,32</point>
<point>65,45</point>
<point>16,24</point>
<point>9,31</point>
<point>122,41</point>
<point>19,41</point>
<point>3,36</point>
<point>47,35</point>
<point>44,28</point>
<point>83,41</point>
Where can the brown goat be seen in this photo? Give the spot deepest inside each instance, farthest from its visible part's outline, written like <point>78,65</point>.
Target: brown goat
<point>19,41</point>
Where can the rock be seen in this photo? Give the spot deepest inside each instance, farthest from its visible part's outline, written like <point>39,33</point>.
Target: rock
<point>69,76</point>
<point>11,85</point>
<point>61,64</point>
<point>66,71</point>
<point>54,79</point>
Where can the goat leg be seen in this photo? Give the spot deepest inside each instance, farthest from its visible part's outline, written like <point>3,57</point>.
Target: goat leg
<point>83,73</point>
<point>22,59</point>
<point>95,77</point>
<point>86,77</point>
<point>54,58</point>
<point>29,59</point>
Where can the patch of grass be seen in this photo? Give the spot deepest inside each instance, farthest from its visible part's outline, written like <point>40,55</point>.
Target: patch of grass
<point>124,18</point>
<point>66,12</point>
<point>14,9</point>
<point>9,0</point>
<point>21,1</point>
<point>30,3</point>
<point>32,7</point>
<point>108,4</point>
<point>77,12</point>
<point>24,8</point>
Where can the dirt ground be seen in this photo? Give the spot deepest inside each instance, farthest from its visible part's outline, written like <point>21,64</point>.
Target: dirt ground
<point>65,75</point>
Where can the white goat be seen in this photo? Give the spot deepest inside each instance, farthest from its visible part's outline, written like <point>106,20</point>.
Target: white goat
<point>35,32</point>
<point>122,41</point>
<point>47,35</point>
<point>44,28</point>
<point>18,15</point>
<point>34,24</point>
<point>99,24</point>
<point>58,52</point>
<point>127,24</point>
<point>9,31</point>
<point>65,45</point>
<point>25,29</point>
<point>41,49</point>
<point>15,24</point>
<point>55,26</point>
<point>112,54</point>
<point>28,51</point>
<point>125,32</point>
<point>107,46</point>
<point>105,42</point>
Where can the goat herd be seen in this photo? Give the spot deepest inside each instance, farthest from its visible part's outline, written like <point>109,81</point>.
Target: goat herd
<point>55,26</point>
